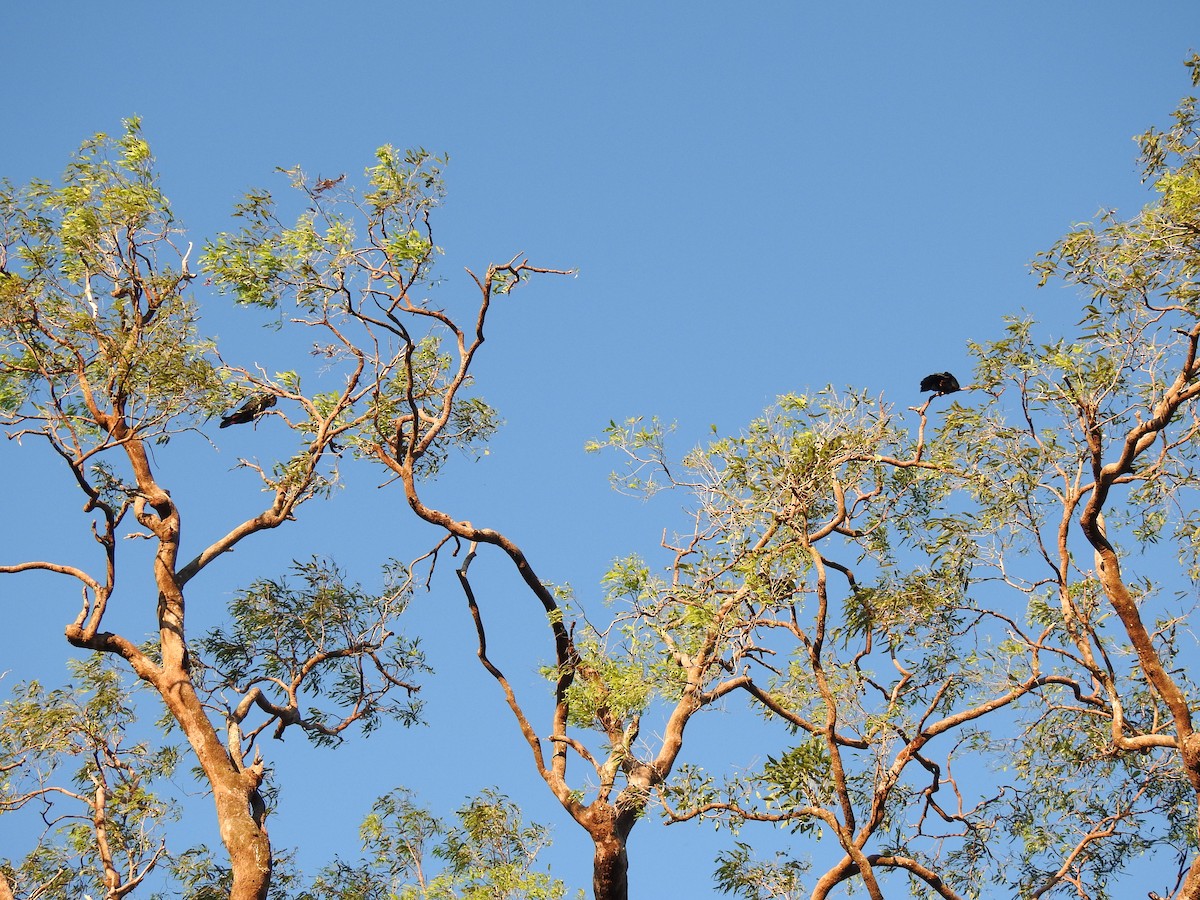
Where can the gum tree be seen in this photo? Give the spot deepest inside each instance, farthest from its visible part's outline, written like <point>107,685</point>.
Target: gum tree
<point>488,854</point>
<point>855,581</point>
<point>906,604</point>
<point>102,364</point>
<point>1000,692</point>
<point>371,257</point>
<point>805,555</point>
<point>1101,435</point>
<point>380,282</point>
<point>66,754</point>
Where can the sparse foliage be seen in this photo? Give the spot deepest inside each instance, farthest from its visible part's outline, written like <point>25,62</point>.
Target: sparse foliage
<point>411,854</point>
<point>324,639</point>
<point>68,760</point>
<point>101,361</point>
<point>966,626</point>
<point>999,693</point>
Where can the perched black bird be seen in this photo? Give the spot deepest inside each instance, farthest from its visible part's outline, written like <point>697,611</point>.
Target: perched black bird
<point>940,383</point>
<point>250,410</point>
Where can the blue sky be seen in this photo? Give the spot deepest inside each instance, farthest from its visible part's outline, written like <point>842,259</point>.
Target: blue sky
<point>758,199</point>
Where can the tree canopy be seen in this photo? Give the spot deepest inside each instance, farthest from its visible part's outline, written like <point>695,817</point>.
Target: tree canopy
<point>965,627</point>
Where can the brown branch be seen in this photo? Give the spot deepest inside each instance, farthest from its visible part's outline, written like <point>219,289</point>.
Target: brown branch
<point>553,776</point>
<point>926,874</point>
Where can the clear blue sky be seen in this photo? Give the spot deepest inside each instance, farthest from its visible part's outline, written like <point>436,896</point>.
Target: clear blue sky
<point>759,198</point>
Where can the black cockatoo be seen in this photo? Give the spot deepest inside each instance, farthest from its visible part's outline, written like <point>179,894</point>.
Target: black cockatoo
<point>940,383</point>
<point>250,410</point>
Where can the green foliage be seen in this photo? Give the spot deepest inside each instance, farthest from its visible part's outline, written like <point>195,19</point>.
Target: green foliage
<point>488,854</point>
<point>92,309</point>
<point>197,875</point>
<point>314,260</point>
<point>799,777</point>
<point>491,851</point>
<point>351,265</point>
<point>740,873</point>
<point>614,684</point>
<point>405,185</point>
<point>644,445</point>
<point>324,639</point>
<point>910,607</point>
<point>1061,780</point>
<point>67,752</point>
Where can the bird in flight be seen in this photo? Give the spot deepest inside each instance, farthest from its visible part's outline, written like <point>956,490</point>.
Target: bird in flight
<point>250,410</point>
<point>940,383</point>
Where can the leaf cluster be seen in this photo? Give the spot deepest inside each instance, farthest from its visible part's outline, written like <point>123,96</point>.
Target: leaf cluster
<point>322,640</point>
<point>67,753</point>
<point>489,853</point>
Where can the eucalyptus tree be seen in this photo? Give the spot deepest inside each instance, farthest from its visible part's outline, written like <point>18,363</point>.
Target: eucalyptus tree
<point>1000,692</point>
<point>1090,445</point>
<point>489,853</point>
<point>589,716</point>
<point>102,364</point>
<point>67,756</point>
<point>421,355</point>
<point>797,555</point>
<point>967,681</point>
<point>863,585</point>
